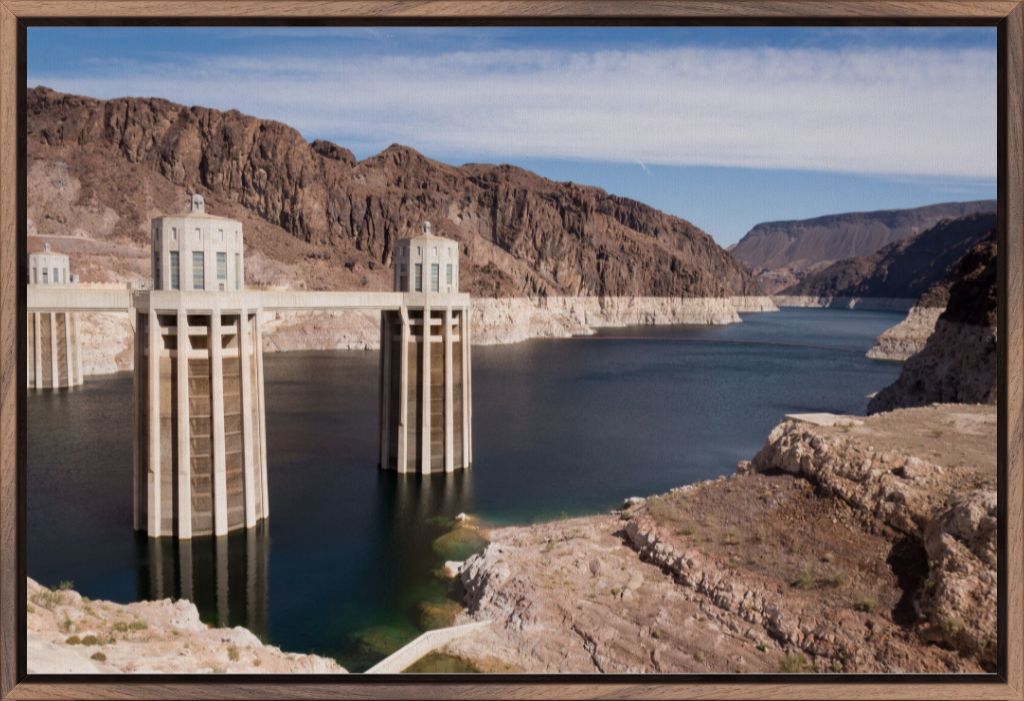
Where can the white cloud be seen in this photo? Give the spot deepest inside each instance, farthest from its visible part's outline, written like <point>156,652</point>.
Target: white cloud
<point>883,110</point>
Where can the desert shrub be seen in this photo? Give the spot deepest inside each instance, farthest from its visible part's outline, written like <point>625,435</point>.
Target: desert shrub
<point>865,605</point>
<point>834,580</point>
<point>804,580</point>
<point>794,664</point>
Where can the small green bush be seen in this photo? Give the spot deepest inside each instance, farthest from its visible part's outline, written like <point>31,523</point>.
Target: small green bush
<point>834,580</point>
<point>794,664</point>
<point>804,580</point>
<point>865,605</point>
<point>90,640</point>
<point>98,656</point>
<point>233,653</point>
<point>73,640</point>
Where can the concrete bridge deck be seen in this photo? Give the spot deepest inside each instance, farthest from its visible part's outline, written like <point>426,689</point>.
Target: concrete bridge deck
<point>85,299</point>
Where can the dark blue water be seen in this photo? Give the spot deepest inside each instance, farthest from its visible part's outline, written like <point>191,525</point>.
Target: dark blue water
<point>346,561</point>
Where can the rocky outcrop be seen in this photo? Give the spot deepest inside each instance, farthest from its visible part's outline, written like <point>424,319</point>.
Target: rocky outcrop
<point>908,337</point>
<point>839,550</point>
<point>69,634</point>
<point>906,268</point>
<point>334,221</point>
<point>946,507</point>
<point>958,599</point>
<point>959,361</point>
<point>783,252</point>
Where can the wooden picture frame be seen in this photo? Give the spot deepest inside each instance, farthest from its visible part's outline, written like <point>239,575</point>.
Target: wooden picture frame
<point>1007,15</point>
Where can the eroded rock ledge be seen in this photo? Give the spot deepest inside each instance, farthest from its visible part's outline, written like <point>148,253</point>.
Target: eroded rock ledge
<point>69,634</point>
<point>908,337</point>
<point>857,547</point>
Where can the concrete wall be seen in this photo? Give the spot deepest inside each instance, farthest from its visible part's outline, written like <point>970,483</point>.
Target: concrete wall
<point>200,435</point>
<point>425,408</point>
<point>204,235</point>
<point>54,350</point>
<point>415,260</point>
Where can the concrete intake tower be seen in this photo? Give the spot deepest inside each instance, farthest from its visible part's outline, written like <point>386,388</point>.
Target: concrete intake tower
<point>200,419</point>
<point>54,348</point>
<point>425,379</point>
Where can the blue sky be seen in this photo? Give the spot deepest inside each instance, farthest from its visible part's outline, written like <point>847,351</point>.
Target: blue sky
<point>726,127</point>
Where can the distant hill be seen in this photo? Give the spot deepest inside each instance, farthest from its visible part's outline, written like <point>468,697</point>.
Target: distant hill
<point>782,252</point>
<point>903,269</point>
<point>316,217</point>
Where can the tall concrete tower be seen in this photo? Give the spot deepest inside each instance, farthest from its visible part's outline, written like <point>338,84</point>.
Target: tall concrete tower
<point>200,421</point>
<point>425,382</point>
<point>54,347</point>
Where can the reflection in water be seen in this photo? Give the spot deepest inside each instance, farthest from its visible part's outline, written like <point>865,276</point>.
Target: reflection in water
<point>225,577</point>
<point>408,500</point>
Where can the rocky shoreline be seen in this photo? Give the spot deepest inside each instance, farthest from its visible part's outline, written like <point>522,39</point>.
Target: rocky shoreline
<point>107,337</point>
<point>846,545</point>
<point>880,304</point>
<point>908,337</point>
<point>70,634</point>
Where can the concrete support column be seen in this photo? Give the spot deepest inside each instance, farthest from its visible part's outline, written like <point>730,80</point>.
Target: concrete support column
<point>137,404</point>
<point>468,370</point>
<point>466,419</point>
<point>220,482</point>
<point>38,330</point>
<point>153,416</point>
<point>425,437</point>
<point>385,388</point>
<point>54,372</point>
<point>449,410</point>
<point>69,362</point>
<point>403,395</point>
<point>260,396</point>
<point>184,464</point>
<point>77,342</point>
<point>248,468</point>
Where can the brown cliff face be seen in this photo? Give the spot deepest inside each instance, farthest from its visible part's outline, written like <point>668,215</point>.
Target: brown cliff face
<point>907,268</point>
<point>521,234</point>
<point>959,361</point>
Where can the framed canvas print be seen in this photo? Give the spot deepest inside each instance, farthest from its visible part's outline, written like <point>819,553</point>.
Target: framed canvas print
<point>430,349</point>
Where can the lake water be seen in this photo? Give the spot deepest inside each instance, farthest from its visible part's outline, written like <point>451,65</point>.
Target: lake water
<point>347,559</point>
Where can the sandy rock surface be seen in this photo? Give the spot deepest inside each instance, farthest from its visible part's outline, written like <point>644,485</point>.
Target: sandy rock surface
<point>851,548</point>
<point>908,337</point>
<point>68,633</point>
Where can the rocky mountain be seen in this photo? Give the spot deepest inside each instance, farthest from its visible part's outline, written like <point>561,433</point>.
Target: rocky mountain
<point>782,252</point>
<point>958,362</point>
<point>316,217</point>
<point>904,269</point>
